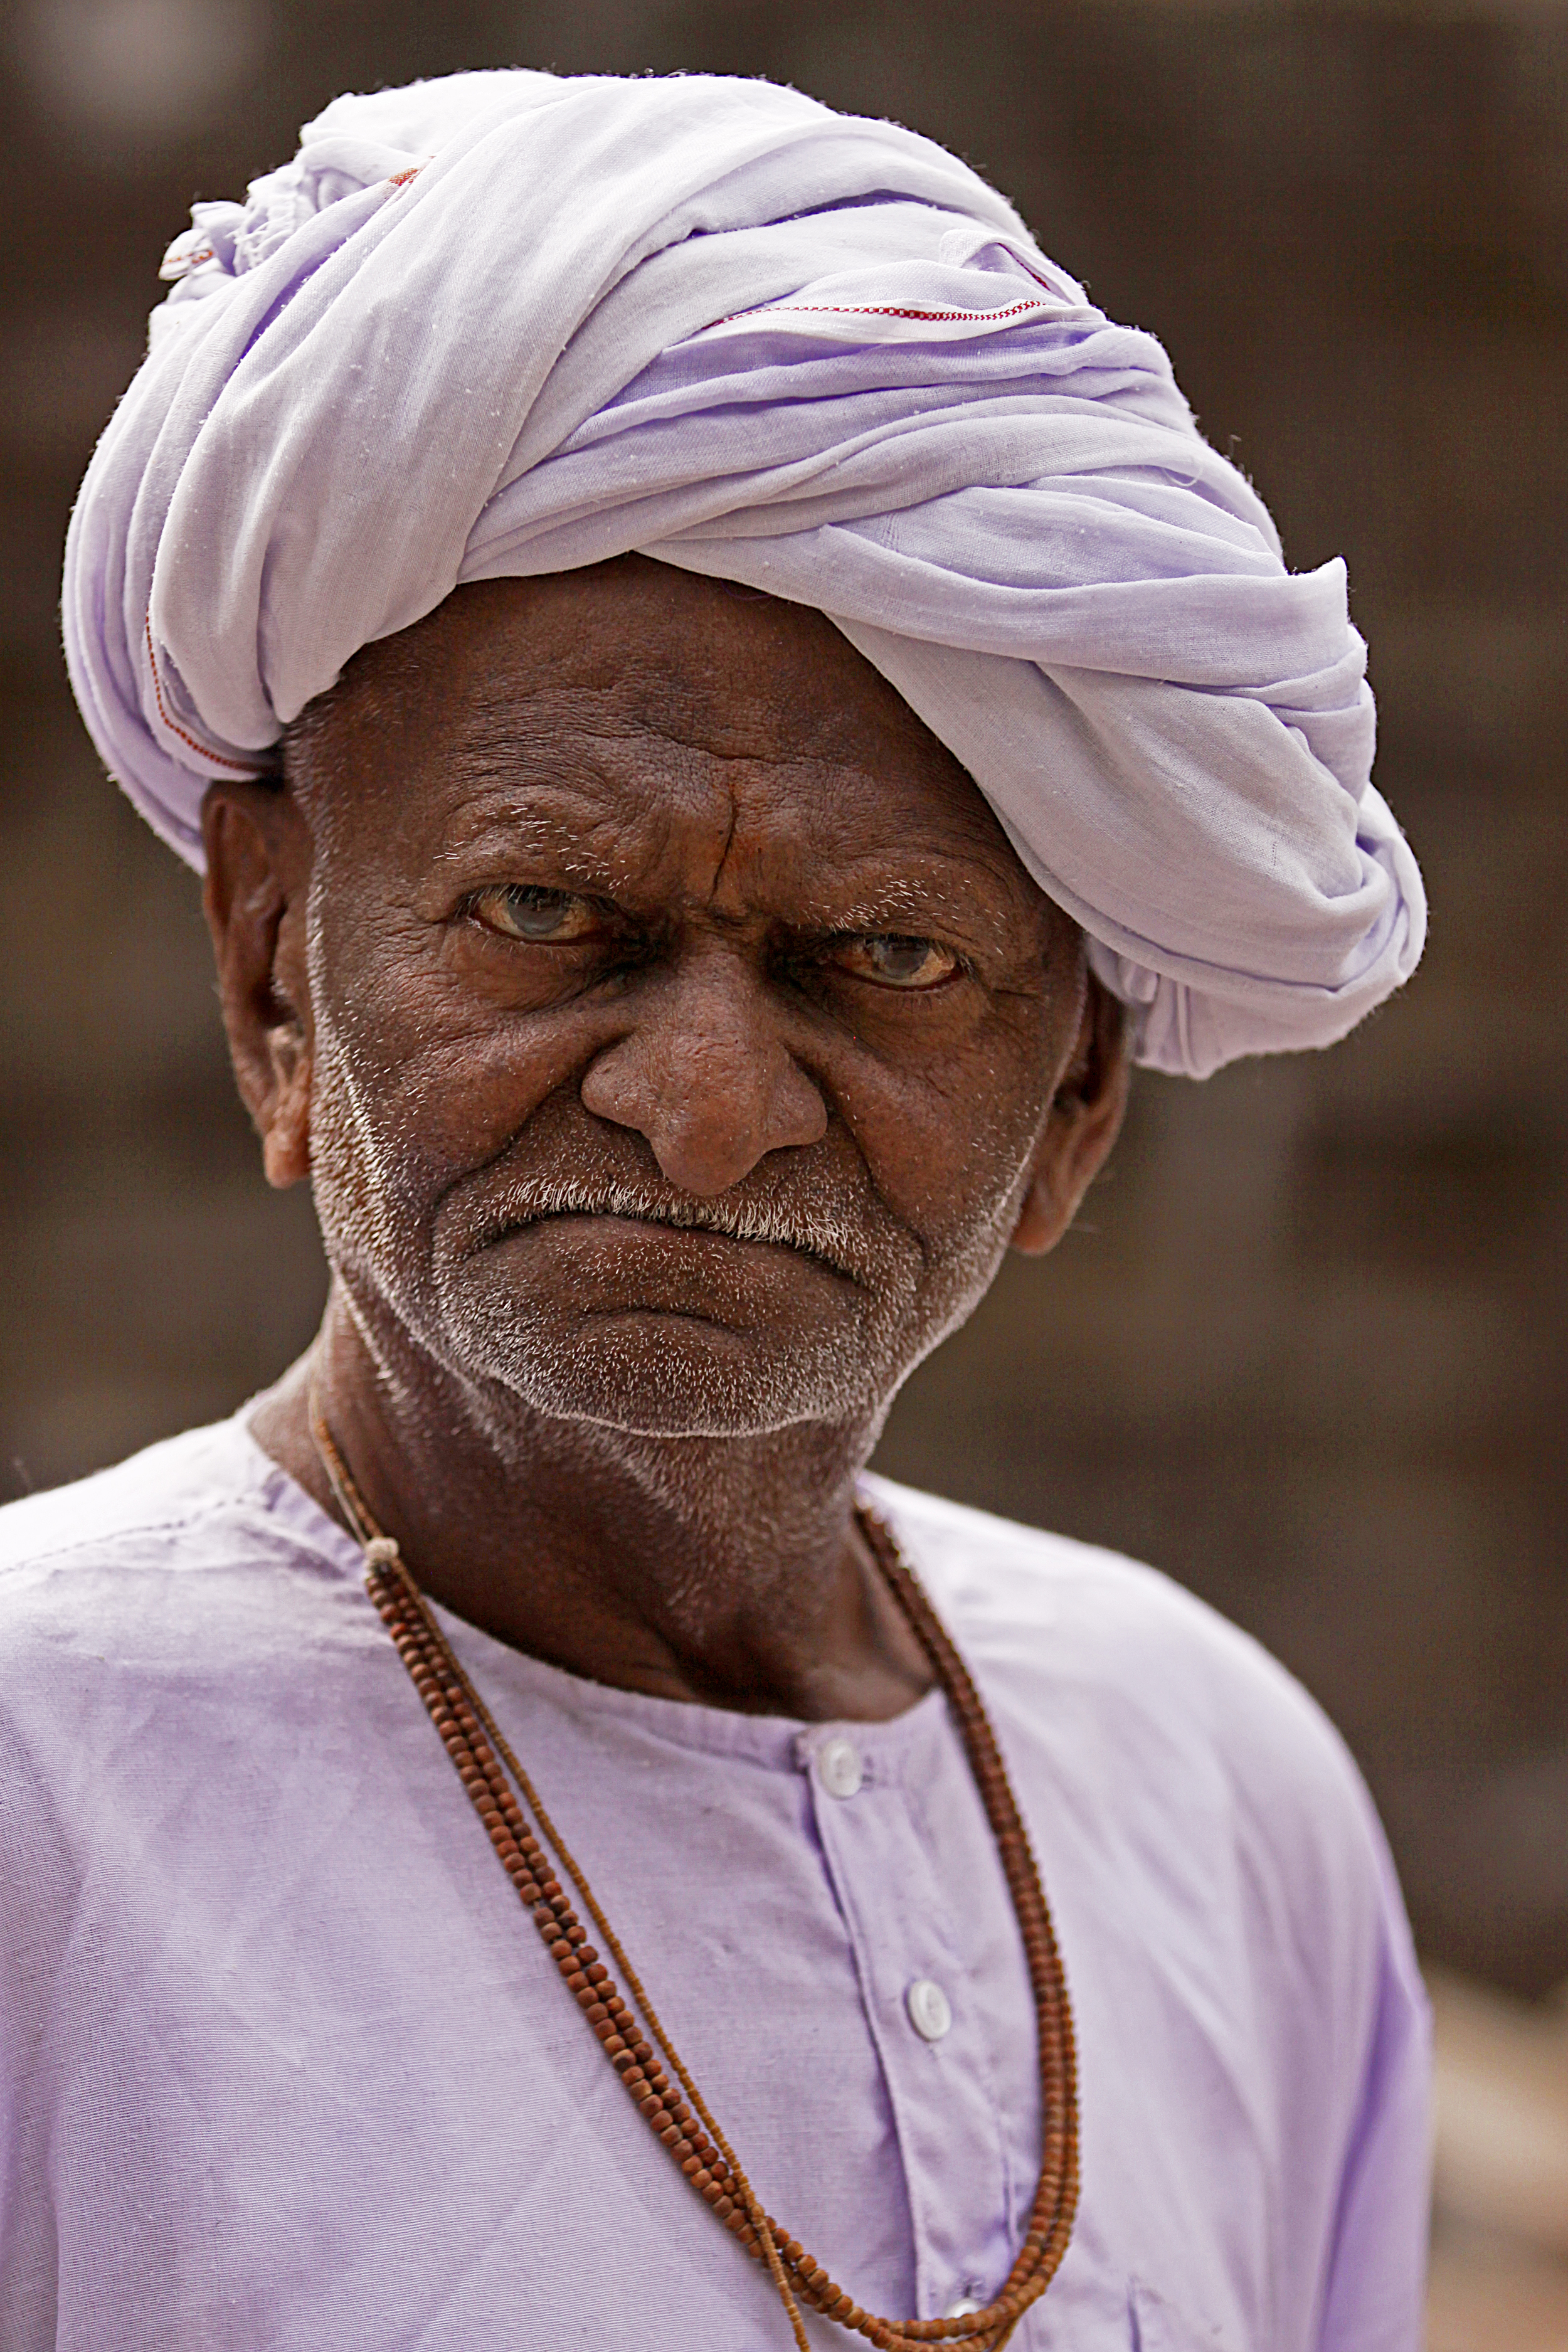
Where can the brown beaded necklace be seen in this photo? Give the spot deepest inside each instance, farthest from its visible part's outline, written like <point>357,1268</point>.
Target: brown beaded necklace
<point>633,2041</point>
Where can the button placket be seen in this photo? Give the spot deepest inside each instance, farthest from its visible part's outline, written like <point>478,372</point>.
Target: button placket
<point>931,2012</point>
<point>907,1943</point>
<point>839,1768</point>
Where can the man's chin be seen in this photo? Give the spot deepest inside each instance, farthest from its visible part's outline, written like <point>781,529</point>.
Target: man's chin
<point>687,1382</point>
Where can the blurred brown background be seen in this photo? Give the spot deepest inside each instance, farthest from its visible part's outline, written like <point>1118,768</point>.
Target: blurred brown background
<point>1304,1350</point>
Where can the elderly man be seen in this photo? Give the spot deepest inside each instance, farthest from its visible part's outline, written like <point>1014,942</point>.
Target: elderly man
<point>722,704</point>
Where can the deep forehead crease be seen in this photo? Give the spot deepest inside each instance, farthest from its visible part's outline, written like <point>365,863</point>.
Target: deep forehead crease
<point>639,710</point>
<point>633,780</point>
<point>561,735</point>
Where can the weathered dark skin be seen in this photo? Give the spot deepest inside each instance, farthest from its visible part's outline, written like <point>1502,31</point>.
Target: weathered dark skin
<point>628,878</point>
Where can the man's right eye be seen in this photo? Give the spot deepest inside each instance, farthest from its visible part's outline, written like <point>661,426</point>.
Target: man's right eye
<point>520,911</point>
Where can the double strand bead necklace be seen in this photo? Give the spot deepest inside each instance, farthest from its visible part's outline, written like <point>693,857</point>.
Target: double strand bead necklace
<point>535,1857</point>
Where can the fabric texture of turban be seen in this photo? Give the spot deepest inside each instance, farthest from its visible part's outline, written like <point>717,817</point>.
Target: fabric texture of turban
<point>505,323</point>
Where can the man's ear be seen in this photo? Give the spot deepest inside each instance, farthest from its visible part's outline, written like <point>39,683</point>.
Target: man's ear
<point>1081,1125</point>
<point>258,853</point>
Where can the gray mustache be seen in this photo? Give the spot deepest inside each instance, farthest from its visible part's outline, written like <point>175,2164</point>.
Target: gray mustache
<point>814,1232</point>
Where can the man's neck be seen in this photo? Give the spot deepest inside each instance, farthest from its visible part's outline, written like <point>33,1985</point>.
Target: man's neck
<point>725,1571</point>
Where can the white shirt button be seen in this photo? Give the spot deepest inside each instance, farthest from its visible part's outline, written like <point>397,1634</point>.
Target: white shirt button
<point>963,2307</point>
<point>839,1767</point>
<point>930,2014</point>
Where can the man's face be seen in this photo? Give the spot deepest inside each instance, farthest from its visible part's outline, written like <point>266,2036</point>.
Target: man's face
<point>682,1030</point>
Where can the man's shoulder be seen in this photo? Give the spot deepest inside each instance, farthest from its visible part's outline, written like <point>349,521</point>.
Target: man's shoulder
<point>1007,1582</point>
<point>1139,1670</point>
<point>151,1497</point>
<point>85,1556</point>
<point>158,1613</point>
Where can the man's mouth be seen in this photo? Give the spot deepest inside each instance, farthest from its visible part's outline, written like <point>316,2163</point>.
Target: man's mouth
<point>824,1239</point>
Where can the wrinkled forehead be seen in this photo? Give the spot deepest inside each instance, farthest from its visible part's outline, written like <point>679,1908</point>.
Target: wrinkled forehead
<point>633,720</point>
<point>658,646</point>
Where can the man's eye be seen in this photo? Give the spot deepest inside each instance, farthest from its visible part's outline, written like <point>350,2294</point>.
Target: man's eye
<point>894,961</point>
<point>523,912</point>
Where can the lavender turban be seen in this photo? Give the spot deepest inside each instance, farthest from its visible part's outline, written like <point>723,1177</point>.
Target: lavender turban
<point>504,324</point>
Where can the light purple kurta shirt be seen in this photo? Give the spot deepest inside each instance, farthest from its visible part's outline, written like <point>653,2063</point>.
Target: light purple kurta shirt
<point>284,2065</point>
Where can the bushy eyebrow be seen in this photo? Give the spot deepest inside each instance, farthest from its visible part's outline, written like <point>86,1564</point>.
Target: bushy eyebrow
<point>909,907</point>
<point>951,894</point>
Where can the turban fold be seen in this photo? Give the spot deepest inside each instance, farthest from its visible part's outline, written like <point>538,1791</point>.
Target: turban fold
<point>504,323</point>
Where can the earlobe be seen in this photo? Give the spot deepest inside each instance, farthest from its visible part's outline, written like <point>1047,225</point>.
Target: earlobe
<point>284,1122</point>
<point>1040,1224</point>
<point>286,1141</point>
<point>1080,1127</point>
<point>258,873</point>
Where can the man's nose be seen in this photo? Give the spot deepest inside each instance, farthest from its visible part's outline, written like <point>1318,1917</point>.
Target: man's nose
<point>706,1075</point>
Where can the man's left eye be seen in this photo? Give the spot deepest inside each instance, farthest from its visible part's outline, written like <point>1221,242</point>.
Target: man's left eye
<point>522,911</point>
<point>894,961</point>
